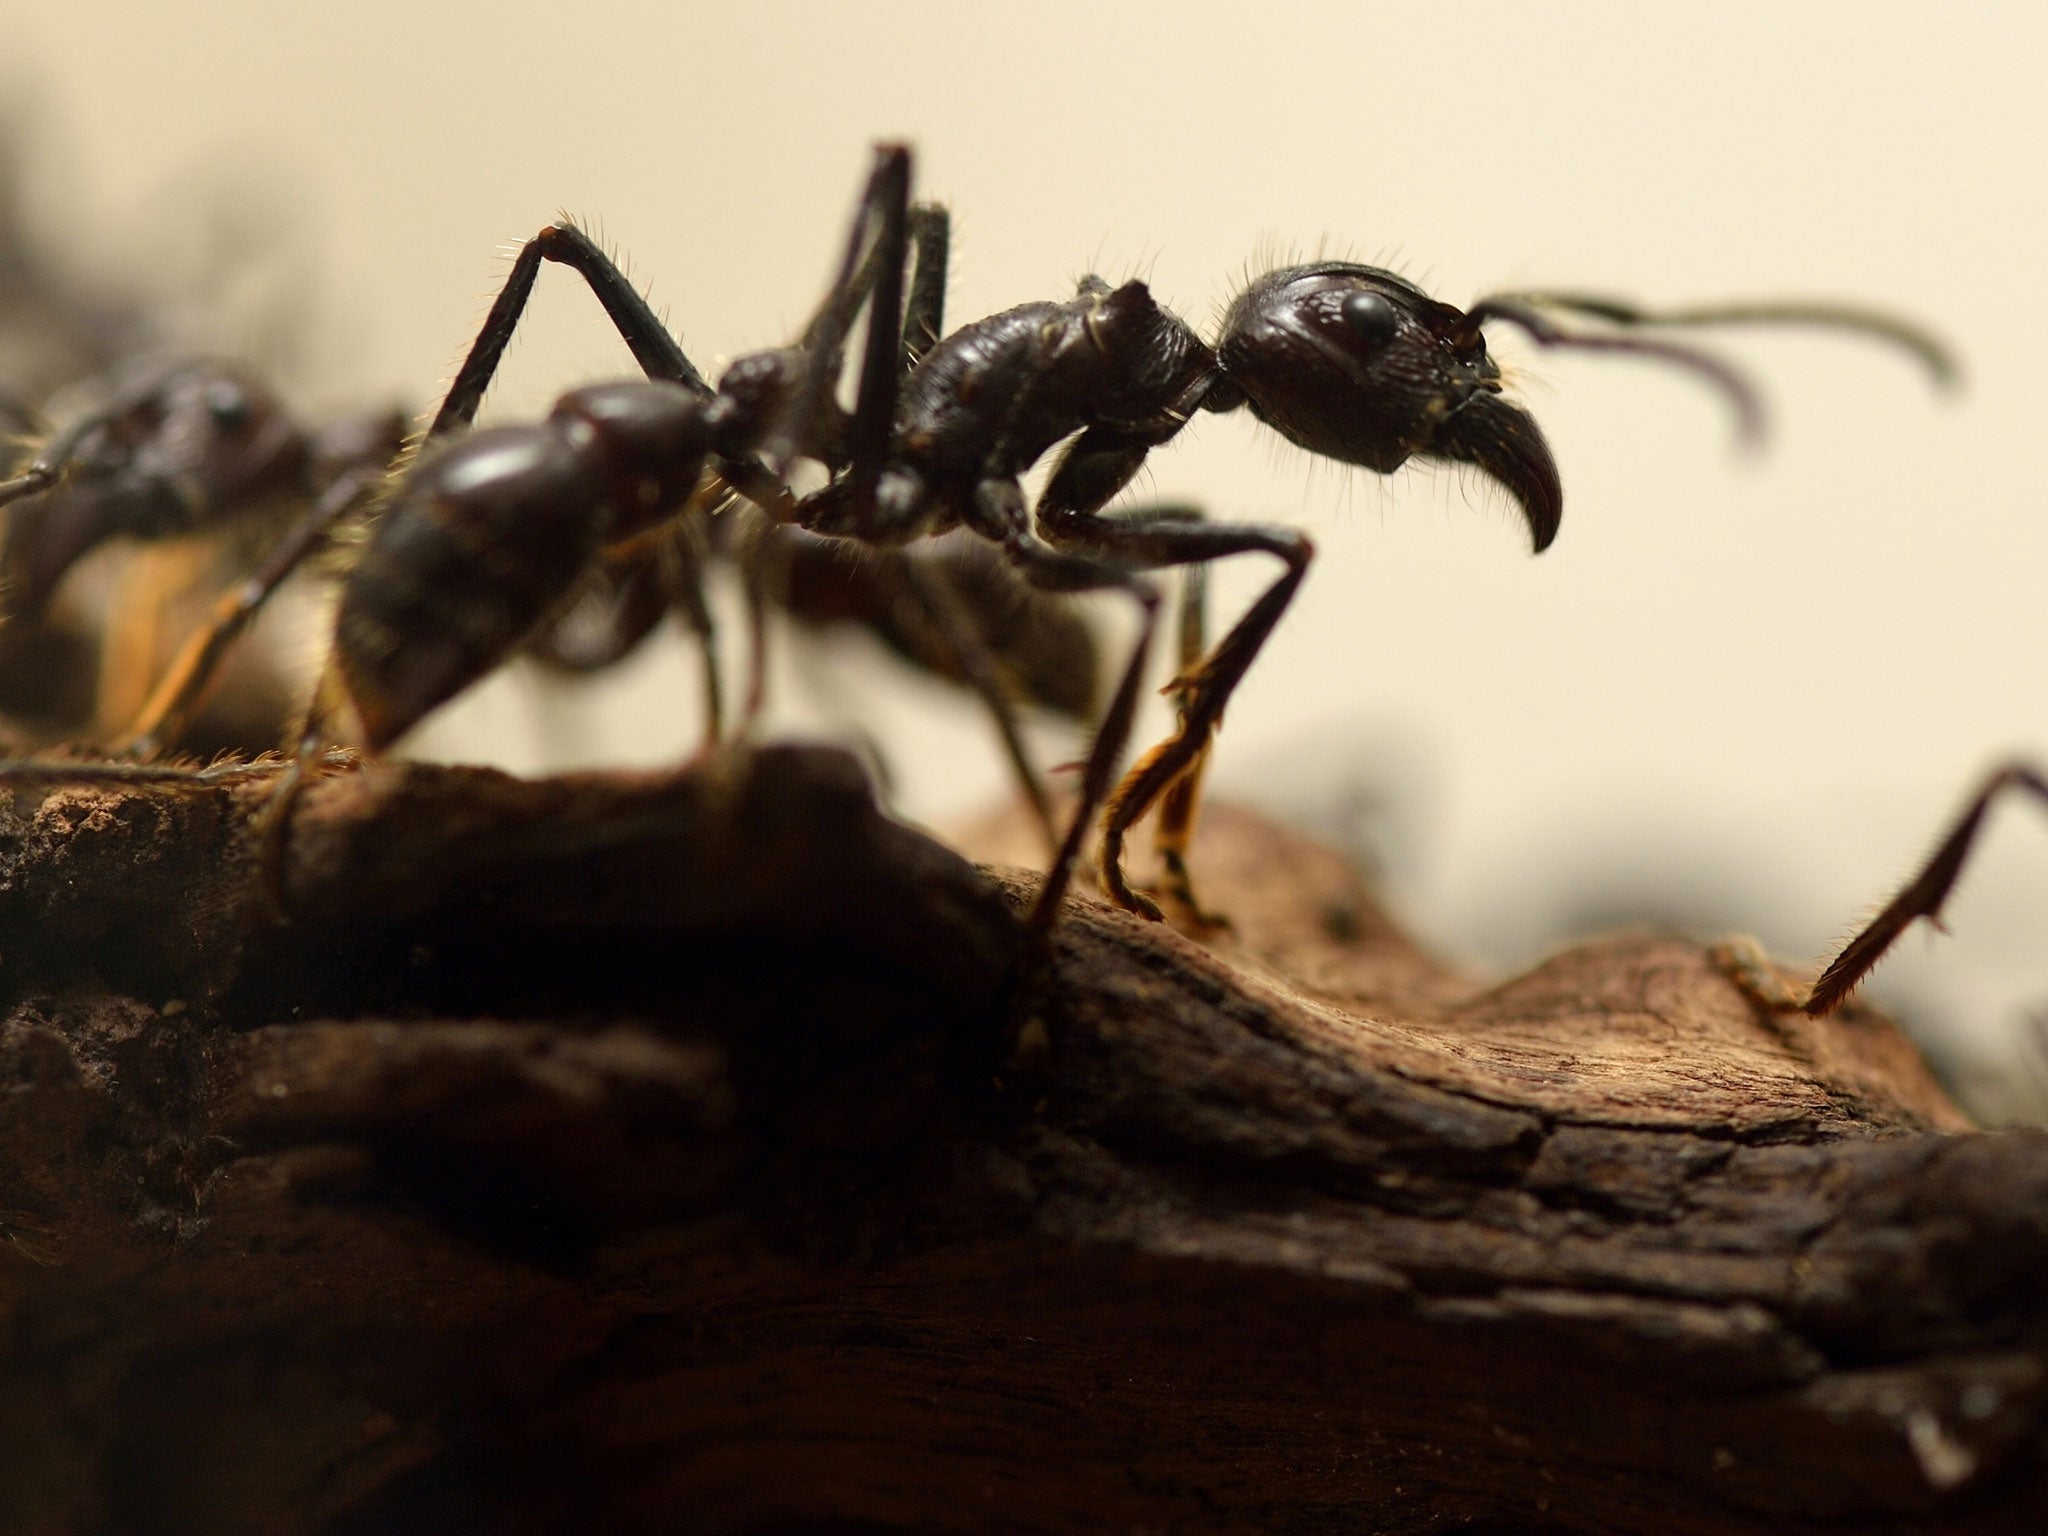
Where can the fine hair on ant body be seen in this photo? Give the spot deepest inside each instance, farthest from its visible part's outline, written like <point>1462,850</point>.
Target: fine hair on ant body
<point>482,538</point>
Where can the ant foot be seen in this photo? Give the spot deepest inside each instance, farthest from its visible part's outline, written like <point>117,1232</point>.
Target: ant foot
<point>1180,890</point>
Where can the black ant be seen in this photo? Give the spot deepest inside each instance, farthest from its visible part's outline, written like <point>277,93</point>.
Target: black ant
<point>482,539</point>
<point>177,447</point>
<point>152,444</point>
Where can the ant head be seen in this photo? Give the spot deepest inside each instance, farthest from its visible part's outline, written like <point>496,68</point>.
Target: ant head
<point>205,426</point>
<point>172,450</point>
<point>1355,364</point>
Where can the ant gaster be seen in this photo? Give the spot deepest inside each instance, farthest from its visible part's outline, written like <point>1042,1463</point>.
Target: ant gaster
<point>483,538</point>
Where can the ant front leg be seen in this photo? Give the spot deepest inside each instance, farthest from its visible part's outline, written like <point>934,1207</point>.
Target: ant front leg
<point>1923,895</point>
<point>1182,800</point>
<point>1099,464</point>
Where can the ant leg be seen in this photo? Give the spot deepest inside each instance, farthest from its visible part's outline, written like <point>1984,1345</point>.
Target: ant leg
<point>155,578</point>
<point>924,311</point>
<point>948,615</point>
<point>1204,691</point>
<point>873,426</point>
<point>763,565</point>
<point>680,559</point>
<point>1182,799</point>
<point>849,506</point>
<point>169,708</point>
<point>273,823</point>
<point>62,770</point>
<point>999,514</point>
<point>660,357</point>
<point>930,230</point>
<point>1099,464</point>
<point>871,269</point>
<point>653,348</point>
<point>1923,895</point>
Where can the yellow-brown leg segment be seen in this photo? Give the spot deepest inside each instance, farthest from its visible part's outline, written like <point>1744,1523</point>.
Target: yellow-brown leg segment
<point>1175,828</point>
<point>1205,691</point>
<point>185,685</point>
<point>158,579</point>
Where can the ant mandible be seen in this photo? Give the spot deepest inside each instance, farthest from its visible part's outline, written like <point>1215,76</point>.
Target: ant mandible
<point>482,538</point>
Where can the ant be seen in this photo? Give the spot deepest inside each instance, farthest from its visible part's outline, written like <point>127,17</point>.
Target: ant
<point>480,540</point>
<point>177,447</point>
<point>161,445</point>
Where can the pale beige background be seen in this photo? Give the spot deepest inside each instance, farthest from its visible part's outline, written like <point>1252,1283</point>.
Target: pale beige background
<point>1774,677</point>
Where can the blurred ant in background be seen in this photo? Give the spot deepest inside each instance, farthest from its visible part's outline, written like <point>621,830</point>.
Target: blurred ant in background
<point>192,460</point>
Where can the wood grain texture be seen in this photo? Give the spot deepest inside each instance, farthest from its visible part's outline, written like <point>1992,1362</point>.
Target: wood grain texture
<point>705,1151</point>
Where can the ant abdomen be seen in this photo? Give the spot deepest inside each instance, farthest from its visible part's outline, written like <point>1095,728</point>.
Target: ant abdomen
<point>489,537</point>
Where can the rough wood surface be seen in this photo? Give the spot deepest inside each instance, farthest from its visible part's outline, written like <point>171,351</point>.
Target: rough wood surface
<point>706,1152</point>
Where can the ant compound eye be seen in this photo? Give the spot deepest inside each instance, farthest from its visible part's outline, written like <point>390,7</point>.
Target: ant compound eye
<point>1371,317</point>
<point>228,403</point>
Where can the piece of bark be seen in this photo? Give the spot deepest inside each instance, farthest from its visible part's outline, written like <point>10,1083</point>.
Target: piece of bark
<point>706,1152</point>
